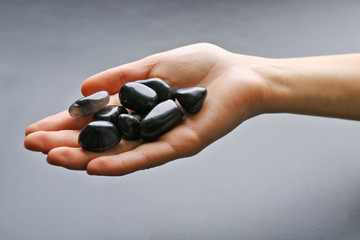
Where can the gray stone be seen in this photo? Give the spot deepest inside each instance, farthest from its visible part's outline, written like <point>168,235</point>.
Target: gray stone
<point>89,105</point>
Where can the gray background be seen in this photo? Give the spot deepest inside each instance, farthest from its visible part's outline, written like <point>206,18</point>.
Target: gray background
<point>274,177</point>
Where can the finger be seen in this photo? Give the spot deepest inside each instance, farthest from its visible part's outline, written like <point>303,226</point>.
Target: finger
<point>59,121</point>
<point>165,149</point>
<point>63,120</point>
<point>76,158</point>
<point>44,141</point>
<point>112,79</point>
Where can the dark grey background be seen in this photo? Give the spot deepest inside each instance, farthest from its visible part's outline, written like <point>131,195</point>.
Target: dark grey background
<point>274,177</point>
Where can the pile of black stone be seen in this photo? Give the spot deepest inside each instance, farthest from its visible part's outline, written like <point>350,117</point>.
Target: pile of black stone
<point>148,111</point>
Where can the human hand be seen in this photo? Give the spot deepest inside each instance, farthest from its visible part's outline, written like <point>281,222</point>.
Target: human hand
<point>235,93</point>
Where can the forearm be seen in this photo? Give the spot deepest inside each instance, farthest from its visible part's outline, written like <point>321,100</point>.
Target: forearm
<point>323,86</point>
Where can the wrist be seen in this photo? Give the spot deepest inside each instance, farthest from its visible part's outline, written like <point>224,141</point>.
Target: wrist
<point>322,86</point>
<point>269,78</point>
<point>276,75</point>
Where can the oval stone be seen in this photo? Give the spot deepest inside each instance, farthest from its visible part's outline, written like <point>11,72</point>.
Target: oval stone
<point>137,97</point>
<point>99,136</point>
<point>86,106</point>
<point>162,89</point>
<point>109,113</point>
<point>192,98</point>
<point>129,126</point>
<point>160,119</point>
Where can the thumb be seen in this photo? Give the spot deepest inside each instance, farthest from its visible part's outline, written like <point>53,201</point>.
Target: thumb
<point>112,79</point>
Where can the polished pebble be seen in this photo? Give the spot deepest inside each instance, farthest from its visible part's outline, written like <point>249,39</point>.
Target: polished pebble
<point>109,113</point>
<point>192,98</point>
<point>137,97</point>
<point>160,119</point>
<point>163,90</point>
<point>86,106</point>
<point>99,136</point>
<point>152,112</point>
<point>129,126</point>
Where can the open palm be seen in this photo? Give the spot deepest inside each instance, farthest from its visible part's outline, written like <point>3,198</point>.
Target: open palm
<point>235,92</point>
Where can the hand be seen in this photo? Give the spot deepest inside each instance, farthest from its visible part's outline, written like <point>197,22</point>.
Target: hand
<point>235,93</point>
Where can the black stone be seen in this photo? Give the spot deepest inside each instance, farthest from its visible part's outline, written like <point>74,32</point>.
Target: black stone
<point>163,90</point>
<point>137,97</point>
<point>160,119</point>
<point>129,127</point>
<point>99,136</point>
<point>86,106</point>
<point>109,113</point>
<point>192,98</point>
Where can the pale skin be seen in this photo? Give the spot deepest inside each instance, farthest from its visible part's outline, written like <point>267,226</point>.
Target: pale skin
<point>239,87</point>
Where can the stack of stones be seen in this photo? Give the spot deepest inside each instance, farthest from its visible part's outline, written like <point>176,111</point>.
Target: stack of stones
<point>148,111</point>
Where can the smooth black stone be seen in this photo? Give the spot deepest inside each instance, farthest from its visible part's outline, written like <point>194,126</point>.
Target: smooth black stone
<point>99,136</point>
<point>192,98</point>
<point>129,127</point>
<point>137,97</point>
<point>160,119</point>
<point>109,113</point>
<point>86,106</point>
<point>163,90</point>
